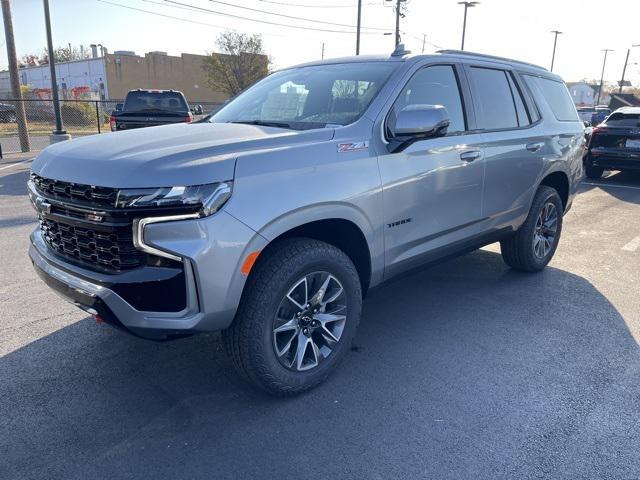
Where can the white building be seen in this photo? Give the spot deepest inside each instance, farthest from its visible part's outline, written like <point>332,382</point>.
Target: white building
<point>582,93</point>
<point>79,78</point>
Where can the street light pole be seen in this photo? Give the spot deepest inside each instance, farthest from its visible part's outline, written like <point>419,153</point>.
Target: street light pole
<point>555,42</point>
<point>624,69</point>
<point>606,51</point>
<point>467,5</point>
<point>52,67</point>
<point>358,29</point>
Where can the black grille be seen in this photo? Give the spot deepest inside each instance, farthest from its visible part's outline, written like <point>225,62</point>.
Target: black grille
<point>109,249</point>
<point>87,194</point>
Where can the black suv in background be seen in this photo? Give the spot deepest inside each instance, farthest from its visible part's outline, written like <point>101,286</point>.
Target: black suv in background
<point>148,108</point>
<point>615,143</point>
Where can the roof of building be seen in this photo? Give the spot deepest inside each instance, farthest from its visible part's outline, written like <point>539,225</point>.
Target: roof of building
<point>627,98</point>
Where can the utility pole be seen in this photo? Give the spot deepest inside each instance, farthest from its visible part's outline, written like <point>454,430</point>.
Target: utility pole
<point>21,118</point>
<point>606,51</point>
<point>624,69</point>
<point>322,50</point>
<point>424,39</point>
<point>467,5</point>
<point>358,29</point>
<point>398,22</point>
<point>555,42</point>
<point>58,134</point>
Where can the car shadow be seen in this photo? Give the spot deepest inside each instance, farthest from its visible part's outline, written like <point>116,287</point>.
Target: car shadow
<point>465,370</point>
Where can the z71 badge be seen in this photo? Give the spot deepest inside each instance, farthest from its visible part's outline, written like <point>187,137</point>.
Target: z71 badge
<point>353,147</point>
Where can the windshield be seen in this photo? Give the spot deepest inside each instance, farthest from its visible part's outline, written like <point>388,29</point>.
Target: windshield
<point>309,97</point>
<point>155,101</point>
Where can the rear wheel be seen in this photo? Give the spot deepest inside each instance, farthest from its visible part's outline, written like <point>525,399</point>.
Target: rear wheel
<point>297,317</point>
<point>531,248</point>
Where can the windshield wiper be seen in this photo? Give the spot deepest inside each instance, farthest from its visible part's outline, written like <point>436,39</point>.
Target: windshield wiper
<point>265,123</point>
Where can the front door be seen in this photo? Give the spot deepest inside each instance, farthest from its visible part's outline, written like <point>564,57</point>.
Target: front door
<point>432,190</point>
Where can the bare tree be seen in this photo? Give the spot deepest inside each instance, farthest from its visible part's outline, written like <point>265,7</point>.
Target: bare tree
<point>241,62</point>
<point>62,54</point>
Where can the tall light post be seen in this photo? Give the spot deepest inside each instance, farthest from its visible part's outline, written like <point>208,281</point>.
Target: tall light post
<point>604,63</point>
<point>58,133</point>
<point>358,29</point>
<point>467,5</point>
<point>555,42</point>
<point>624,69</point>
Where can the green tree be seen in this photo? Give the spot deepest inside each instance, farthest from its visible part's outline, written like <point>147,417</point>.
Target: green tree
<point>240,62</point>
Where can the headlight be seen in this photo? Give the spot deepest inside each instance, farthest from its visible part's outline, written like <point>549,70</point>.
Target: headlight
<point>209,197</point>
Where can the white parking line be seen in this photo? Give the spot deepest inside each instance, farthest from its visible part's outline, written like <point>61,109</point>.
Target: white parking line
<point>633,245</point>
<point>610,185</point>
<point>17,163</point>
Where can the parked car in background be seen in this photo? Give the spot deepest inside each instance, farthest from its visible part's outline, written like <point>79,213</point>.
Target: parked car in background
<point>7,113</point>
<point>149,108</point>
<point>586,113</point>
<point>272,219</point>
<point>615,144</point>
<point>600,114</point>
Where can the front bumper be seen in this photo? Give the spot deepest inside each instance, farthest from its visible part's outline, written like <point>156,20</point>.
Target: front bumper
<point>212,250</point>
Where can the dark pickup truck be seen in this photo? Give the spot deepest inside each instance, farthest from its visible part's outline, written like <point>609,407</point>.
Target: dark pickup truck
<point>149,108</point>
<point>615,143</point>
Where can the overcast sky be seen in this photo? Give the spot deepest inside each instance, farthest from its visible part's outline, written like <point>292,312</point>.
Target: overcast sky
<point>512,28</point>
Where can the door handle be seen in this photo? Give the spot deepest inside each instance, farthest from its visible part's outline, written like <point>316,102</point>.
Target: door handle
<point>470,155</point>
<point>534,147</point>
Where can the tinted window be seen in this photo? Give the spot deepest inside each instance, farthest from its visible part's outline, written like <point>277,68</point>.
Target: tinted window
<point>521,110</point>
<point>435,85</point>
<point>155,101</point>
<point>494,98</point>
<point>619,119</point>
<point>557,97</point>
<point>310,97</point>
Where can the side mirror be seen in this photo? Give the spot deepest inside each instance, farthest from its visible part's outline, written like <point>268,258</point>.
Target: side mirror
<point>118,107</point>
<point>197,110</point>
<point>587,124</point>
<point>417,122</point>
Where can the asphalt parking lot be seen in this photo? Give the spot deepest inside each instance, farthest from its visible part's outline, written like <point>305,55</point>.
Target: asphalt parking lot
<point>465,370</point>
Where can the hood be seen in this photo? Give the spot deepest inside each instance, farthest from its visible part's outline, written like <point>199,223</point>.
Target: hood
<point>170,155</point>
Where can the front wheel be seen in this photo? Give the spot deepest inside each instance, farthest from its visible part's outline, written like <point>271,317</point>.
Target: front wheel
<point>531,248</point>
<point>297,317</point>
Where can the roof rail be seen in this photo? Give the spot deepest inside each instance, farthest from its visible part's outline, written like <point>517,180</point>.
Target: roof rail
<point>490,57</point>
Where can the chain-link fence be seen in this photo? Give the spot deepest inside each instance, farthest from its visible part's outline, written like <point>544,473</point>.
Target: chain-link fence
<point>79,117</point>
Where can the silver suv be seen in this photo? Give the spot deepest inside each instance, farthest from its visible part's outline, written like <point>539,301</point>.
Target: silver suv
<point>271,219</point>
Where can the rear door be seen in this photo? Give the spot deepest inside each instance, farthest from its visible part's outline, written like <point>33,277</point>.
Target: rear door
<point>513,142</point>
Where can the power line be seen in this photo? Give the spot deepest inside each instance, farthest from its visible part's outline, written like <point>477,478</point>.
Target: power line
<point>257,10</point>
<point>224,27</point>
<point>315,6</point>
<point>161,15</point>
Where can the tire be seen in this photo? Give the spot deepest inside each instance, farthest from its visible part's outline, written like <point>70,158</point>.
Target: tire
<point>593,172</point>
<point>524,250</point>
<point>265,349</point>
